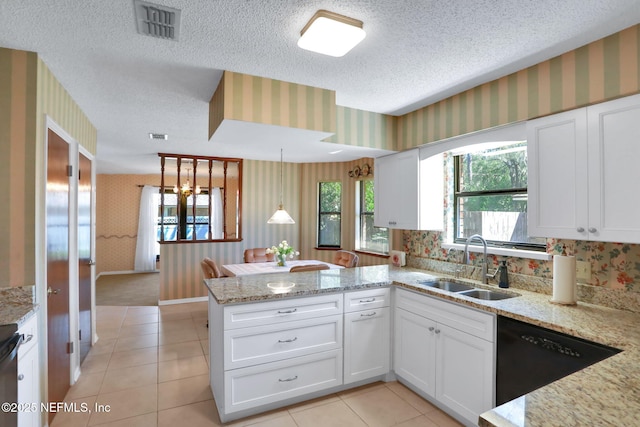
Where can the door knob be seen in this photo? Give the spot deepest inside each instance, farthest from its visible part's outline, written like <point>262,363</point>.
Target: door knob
<point>52,291</point>
<point>593,230</point>
<point>91,262</point>
<point>580,229</point>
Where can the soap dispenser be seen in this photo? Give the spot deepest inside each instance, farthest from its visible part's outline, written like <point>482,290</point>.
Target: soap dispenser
<point>503,275</point>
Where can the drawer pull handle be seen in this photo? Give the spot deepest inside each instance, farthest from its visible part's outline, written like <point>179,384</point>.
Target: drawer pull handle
<point>367,315</point>
<point>367,300</point>
<point>437,331</point>
<point>289,340</point>
<point>286,380</point>
<point>27,338</point>
<point>287,311</point>
<point>431,328</point>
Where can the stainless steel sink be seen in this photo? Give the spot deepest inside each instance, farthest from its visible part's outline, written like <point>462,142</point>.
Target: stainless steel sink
<point>487,295</point>
<point>446,285</point>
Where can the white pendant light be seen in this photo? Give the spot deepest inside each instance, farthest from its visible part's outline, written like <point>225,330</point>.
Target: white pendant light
<point>331,34</point>
<point>281,216</point>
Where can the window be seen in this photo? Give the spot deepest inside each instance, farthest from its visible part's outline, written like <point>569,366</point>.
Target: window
<point>329,214</point>
<point>490,196</point>
<point>369,238</point>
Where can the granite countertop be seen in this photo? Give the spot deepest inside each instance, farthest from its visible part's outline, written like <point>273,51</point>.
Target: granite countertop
<point>16,305</point>
<point>607,393</point>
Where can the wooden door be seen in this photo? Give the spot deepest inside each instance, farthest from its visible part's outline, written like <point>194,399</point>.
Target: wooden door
<point>57,220</point>
<point>85,259</point>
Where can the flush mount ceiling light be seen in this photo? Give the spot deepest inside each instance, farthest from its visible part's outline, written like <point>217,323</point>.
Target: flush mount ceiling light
<point>331,34</point>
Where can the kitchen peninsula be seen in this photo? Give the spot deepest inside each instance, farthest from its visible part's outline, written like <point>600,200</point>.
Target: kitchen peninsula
<point>598,395</point>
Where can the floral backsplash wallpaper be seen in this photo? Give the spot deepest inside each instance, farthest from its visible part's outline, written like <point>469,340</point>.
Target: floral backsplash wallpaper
<point>613,265</point>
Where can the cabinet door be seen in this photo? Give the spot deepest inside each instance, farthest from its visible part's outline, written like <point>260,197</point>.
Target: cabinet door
<point>557,175</point>
<point>465,376</point>
<point>614,133</point>
<point>29,388</point>
<point>396,190</point>
<point>414,350</point>
<point>366,344</point>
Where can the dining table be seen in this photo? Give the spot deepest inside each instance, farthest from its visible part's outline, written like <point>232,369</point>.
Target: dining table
<point>249,268</point>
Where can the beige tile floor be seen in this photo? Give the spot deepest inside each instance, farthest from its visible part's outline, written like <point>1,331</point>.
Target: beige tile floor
<point>150,366</point>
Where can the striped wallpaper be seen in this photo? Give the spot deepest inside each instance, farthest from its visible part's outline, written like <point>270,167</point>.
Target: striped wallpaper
<point>260,100</point>
<point>364,129</point>
<point>605,69</point>
<point>273,102</point>
<point>312,173</point>
<point>28,92</point>
<point>18,78</point>
<point>180,274</point>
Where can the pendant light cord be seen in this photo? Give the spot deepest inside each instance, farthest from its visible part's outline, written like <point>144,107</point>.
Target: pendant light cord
<point>281,205</point>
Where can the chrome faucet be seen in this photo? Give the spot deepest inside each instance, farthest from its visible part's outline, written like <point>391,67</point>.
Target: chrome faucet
<point>485,276</point>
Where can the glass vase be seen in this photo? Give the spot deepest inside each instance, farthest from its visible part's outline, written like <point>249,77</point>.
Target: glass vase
<point>281,259</point>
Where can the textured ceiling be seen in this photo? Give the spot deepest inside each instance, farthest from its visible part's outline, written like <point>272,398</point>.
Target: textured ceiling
<point>416,52</point>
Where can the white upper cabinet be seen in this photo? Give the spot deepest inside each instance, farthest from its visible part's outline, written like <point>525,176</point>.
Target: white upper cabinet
<point>409,191</point>
<point>582,172</point>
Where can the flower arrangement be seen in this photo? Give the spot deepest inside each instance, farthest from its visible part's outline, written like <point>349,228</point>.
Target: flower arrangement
<point>282,251</point>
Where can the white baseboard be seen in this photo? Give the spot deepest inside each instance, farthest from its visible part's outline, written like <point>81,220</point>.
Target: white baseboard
<point>110,273</point>
<point>183,300</point>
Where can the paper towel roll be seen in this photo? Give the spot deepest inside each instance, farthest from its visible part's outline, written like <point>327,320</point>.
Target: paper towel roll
<point>564,280</point>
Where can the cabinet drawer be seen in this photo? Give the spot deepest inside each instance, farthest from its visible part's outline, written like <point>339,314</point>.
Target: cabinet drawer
<point>264,313</point>
<point>465,319</point>
<point>272,382</point>
<point>269,343</point>
<point>365,300</point>
<point>30,331</point>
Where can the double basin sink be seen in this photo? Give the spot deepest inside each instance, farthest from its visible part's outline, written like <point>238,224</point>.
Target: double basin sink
<point>467,290</point>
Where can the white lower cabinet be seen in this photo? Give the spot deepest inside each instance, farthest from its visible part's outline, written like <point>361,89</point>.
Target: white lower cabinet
<point>29,375</point>
<point>454,367</point>
<point>367,334</point>
<point>414,356</point>
<point>268,354</point>
<point>272,382</point>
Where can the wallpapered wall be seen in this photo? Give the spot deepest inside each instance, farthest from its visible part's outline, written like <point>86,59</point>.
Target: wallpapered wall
<point>117,208</point>
<point>605,69</point>
<point>118,200</point>
<point>312,173</point>
<point>600,71</point>
<point>180,275</point>
<point>28,92</point>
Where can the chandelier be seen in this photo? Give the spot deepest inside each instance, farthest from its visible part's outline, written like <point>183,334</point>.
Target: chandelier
<point>185,189</point>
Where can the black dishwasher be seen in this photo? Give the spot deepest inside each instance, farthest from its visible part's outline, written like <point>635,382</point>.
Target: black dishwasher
<point>529,357</point>
<point>9,343</point>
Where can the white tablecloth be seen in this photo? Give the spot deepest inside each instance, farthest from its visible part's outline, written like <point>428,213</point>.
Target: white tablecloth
<point>248,268</point>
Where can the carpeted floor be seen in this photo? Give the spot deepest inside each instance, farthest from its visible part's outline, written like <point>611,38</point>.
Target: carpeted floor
<point>128,289</point>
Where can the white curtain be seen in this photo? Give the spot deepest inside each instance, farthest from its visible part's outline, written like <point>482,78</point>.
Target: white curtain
<point>216,214</point>
<point>147,230</point>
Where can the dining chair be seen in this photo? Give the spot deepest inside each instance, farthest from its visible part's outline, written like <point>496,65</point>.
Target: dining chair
<point>210,269</point>
<point>308,267</point>
<point>346,259</point>
<point>258,255</point>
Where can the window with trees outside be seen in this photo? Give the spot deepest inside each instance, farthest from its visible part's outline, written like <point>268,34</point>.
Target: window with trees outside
<point>490,196</point>
<point>329,214</point>
<point>369,238</point>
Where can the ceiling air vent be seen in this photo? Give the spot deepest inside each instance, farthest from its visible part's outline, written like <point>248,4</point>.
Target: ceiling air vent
<point>157,21</point>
